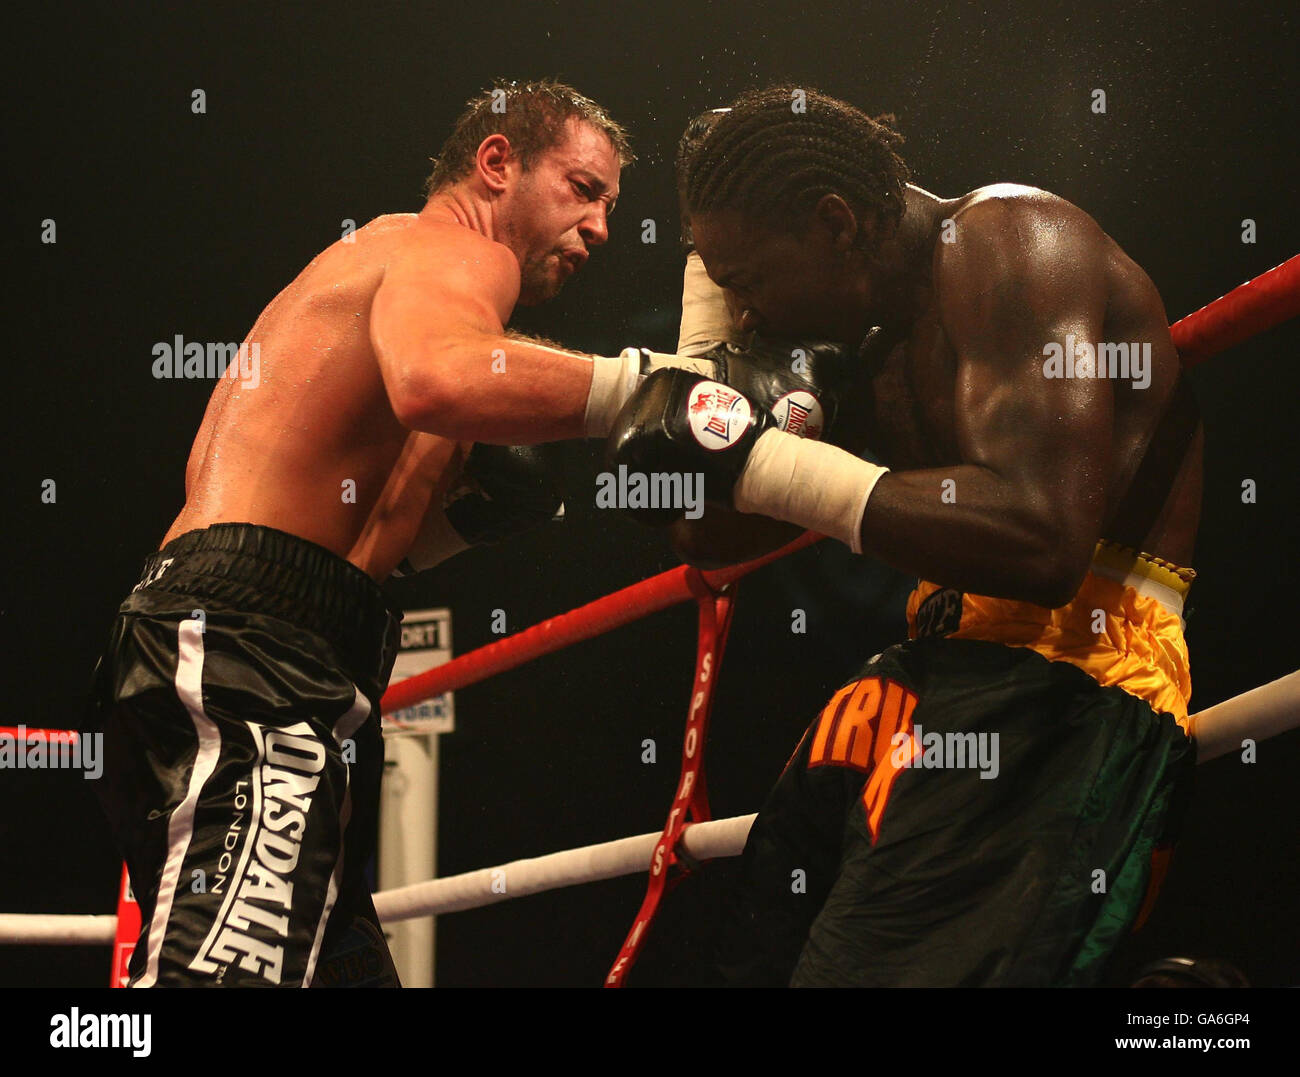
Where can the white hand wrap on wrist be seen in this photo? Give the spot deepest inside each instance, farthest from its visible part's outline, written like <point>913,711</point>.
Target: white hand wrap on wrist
<point>706,321</point>
<point>809,483</point>
<point>652,361</point>
<point>436,541</point>
<point>613,380</point>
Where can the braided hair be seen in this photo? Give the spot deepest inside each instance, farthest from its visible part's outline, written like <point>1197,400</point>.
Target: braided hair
<point>772,162</point>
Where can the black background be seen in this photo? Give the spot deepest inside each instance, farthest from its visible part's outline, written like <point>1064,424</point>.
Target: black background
<point>170,222</point>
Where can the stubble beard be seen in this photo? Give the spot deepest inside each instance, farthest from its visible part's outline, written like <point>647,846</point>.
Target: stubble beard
<point>539,280</point>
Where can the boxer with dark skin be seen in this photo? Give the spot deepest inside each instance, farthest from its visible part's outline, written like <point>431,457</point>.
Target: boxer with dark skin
<point>953,386</point>
<point>388,355</point>
<point>1045,509</point>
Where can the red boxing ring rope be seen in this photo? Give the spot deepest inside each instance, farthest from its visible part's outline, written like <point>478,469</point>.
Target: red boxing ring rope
<point>595,618</point>
<point>1246,311</point>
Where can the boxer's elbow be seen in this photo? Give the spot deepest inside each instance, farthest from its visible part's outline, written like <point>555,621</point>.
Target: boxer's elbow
<point>411,409</point>
<point>1046,542</point>
<point>1054,577</point>
<point>1051,590</point>
<point>415,396</point>
<point>426,403</point>
<point>430,395</point>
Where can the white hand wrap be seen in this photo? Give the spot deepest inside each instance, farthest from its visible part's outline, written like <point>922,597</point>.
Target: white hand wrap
<point>809,483</point>
<point>436,541</point>
<point>613,380</point>
<point>706,321</point>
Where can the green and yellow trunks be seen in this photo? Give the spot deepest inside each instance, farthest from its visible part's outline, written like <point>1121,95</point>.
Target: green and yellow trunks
<point>1124,627</point>
<point>990,803</point>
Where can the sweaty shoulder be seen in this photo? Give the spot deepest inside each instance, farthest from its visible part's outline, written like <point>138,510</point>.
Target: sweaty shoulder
<point>1005,223</point>
<point>453,257</point>
<point>1018,243</point>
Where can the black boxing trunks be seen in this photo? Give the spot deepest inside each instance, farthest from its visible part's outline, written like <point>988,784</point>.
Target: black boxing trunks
<point>238,697</point>
<point>962,813</point>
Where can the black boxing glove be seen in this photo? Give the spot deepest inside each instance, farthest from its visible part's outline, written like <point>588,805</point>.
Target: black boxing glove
<point>798,382</point>
<point>678,422</point>
<point>503,490</point>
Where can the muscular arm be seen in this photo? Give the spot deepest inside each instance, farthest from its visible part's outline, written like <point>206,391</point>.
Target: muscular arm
<point>1026,503</point>
<point>438,329</point>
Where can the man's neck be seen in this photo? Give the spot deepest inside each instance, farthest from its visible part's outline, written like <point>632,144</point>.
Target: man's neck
<point>901,268</point>
<point>455,205</point>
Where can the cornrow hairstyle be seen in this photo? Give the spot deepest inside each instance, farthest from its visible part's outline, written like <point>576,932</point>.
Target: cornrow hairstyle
<point>772,161</point>
<point>691,140</point>
<point>532,115</point>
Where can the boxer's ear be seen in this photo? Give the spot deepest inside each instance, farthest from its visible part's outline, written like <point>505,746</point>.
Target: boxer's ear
<point>493,159</point>
<point>845,229</point>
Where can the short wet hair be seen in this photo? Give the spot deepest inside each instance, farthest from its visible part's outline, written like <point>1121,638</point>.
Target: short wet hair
<point>532,115</point>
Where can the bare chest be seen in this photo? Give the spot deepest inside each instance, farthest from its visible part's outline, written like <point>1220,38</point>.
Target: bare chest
<point>907,397</point>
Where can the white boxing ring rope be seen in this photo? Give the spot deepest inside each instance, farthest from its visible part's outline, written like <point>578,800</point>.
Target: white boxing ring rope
<point>1261,713</point>
<point>44,929</point>
<point>455,893</point>
<point>589,864</point>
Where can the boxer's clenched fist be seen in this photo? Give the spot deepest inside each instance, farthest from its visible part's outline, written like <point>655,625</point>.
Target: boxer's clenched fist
<point>503,490</point>
<point>797,382</point>
<point>679,422</point>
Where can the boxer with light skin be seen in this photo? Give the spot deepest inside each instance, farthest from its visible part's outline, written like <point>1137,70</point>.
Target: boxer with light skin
<point>400,332</point>
<point>390,429</point>
<point>396,423</point>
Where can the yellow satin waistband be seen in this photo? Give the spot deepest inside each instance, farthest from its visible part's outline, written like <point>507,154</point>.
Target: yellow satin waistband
<point>1123,627</point>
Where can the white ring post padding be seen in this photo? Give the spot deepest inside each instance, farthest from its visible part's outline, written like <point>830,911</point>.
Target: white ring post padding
<point>23,928</point>
<point>626,856</point>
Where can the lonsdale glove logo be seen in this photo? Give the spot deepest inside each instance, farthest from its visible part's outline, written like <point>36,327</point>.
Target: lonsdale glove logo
<point>719,416</point>
<point>800,413</point>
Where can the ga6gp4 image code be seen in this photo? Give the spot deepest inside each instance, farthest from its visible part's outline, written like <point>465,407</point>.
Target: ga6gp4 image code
<point>1198,1021</point>
<point>1101,1024</point>
<point>1177,1032</point>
